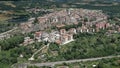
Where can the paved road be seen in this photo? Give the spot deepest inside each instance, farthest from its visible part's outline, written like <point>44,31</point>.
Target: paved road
<point>70,61</point>
<point>7,33</point>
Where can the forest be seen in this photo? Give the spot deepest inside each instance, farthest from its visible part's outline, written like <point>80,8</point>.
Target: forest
<point>86,46</point>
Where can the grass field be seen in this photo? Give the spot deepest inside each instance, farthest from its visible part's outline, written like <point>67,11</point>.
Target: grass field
<point>9,4</point>
<point>4,17</point>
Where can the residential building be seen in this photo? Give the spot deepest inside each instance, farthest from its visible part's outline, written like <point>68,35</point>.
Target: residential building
<point>72,31</point>
<point>27,41</point>
<point>62,31</point>
<point>38,36</point>
<point>66,38</point>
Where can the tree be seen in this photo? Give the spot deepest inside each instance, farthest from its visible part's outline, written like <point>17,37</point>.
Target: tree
<point>54,47</point>
<point>11,42</point>
<point>35,21</point>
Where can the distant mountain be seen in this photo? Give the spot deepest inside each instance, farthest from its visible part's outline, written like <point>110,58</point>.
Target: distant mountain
<point>86,0</point>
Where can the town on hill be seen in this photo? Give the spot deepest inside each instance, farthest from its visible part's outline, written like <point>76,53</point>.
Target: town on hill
<point>60,34</point>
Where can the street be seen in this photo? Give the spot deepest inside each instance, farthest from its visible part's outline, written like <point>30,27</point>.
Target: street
<point>69,61</point>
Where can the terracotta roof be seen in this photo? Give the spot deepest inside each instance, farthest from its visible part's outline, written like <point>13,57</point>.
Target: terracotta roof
<point>38,33</point>
<point>60,25</point>
<point>58,41</point>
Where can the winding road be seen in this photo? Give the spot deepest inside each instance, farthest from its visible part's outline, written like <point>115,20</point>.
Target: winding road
<point>7,34</point>
<point>69,61</point>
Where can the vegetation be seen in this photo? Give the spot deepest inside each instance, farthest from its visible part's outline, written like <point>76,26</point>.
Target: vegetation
<point>87,45</point>
<point>9,49</point>
<point>53,47</point>
<point>5,26</point>
<point>38,67</point>
<point>104,63</point>
<point>11,42</point>
<point>19,13</point>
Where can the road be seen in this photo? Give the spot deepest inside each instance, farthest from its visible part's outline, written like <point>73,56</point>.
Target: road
<point>7,33</point>
<point>70,61</point>
<point>32,57</point>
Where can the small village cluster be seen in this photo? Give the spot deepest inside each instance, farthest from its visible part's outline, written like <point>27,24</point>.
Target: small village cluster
<point>67,17</point>
<point>91,21</point>
<point>60,37</point>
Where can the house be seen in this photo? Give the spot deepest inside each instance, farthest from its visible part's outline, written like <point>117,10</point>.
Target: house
<point>27,41</point>
<point>83,29</point>
<point>45,36</point>
<point>21,56</point>
<point>60,25</point>
<point>92,30</point>
<point>62,31</point>
<point>66,38</point>
<point>94,66</point>
<point>72,31</point>
<point>42,19</point>
<point>107,25</point>
<point>78,29</point>
<point>51,38</point>
<point>57,36</point>
<point>62,37</point>
<point>58,41</point>
<point>26,27</point>
<point>100,25</point>
<point>38,36</point>
<point>119,29</point>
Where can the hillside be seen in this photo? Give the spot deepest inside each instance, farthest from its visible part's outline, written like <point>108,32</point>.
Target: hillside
<point>85,28</point>
<point>15,11</point>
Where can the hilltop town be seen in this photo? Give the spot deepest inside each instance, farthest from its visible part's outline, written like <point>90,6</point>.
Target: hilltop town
<point>81,20</point>
<point>60,34</point>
